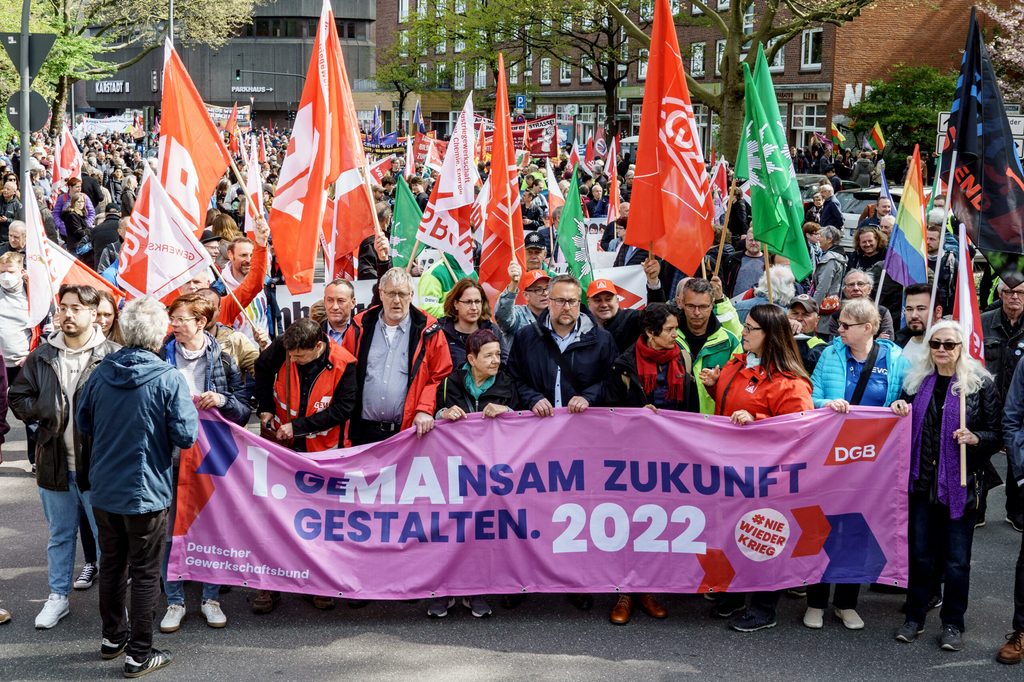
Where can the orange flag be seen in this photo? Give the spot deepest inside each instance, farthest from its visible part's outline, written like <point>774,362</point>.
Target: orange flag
<point>192,153</point>
<point>503,227</point>
<point>324,143</point>
<point>232,128</point>
<point>671,204</point>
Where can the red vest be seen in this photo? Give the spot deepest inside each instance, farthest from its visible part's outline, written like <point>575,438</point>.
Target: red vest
<point>287,395</point>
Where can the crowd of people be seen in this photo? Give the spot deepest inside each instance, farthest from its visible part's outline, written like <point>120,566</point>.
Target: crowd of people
<point>109,394</point>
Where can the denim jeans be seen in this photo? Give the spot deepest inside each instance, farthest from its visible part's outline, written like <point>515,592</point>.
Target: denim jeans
<point>61,510</point>
<point>937,540</point>
<point>174,589</point>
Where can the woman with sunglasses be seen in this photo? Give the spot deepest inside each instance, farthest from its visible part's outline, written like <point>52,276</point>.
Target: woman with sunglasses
<point>766,380</point>
<point>856,369</point>
<point>942,513</point>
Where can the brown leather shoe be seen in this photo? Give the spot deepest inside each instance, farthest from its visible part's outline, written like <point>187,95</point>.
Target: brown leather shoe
<point>323,603</point>
<point>1012,652</point>
<point>265,601</point>
<point>651,606</point>
<point>5,616</point>
<point>622,610</point>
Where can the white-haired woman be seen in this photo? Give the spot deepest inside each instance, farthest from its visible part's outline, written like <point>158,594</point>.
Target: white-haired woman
<point>783,291</point>
<point>942,513</point>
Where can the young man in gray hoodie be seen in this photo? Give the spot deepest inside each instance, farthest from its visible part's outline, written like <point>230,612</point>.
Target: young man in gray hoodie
<point>45,392</point>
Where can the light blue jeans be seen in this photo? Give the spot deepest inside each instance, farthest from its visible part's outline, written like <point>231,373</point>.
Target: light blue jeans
<point>61,511</point>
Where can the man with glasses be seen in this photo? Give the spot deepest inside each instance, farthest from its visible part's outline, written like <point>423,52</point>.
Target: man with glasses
<point>709,340</point>
<point>45,392</point>
<point>402,357</point>
<point>534,285</point>
<point>858,284</point>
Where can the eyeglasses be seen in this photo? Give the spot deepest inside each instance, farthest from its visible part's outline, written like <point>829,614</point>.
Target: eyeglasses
<point>844,326</point>
<point>72,309</point>
<point>694,308</point>
<point>534,290</point>
<point>395,294</point>
<point>472,303</point>
<point>1013,294</point>
<point>181,320</point>
<point>748,328</point>
<point>935,344</point>
<point>858,285</point>
<point>565,302</point>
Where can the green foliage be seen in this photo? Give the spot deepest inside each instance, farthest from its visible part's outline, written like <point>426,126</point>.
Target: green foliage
<point>907,107</point>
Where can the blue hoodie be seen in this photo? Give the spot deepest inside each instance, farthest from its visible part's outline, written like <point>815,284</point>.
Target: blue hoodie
<point>137,408</point>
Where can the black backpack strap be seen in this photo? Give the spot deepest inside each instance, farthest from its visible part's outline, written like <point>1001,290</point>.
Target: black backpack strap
<point>865,374</point>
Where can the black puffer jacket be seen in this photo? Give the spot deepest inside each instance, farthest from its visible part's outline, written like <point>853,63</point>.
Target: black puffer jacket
<point>452,392</point>
<point>624,389</point>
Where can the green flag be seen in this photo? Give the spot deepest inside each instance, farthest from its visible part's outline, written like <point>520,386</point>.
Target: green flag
<point>572,235</point>
<point>763,158</point>
<point>404,224</point>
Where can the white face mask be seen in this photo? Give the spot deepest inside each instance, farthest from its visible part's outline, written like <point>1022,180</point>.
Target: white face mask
<point>9,280</point>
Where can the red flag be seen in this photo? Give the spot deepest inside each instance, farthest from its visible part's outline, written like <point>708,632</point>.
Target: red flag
<point>965,305</point>
<point>351,221</point>
<point>671,201</point>
<point>232,129</point>
<point>574,157</point>
<point>555,198</point>
<point>381,168</point>
<point>613,185</point>
<point>325,142</point>
<point>192,153</point>
<point>263,150</point>
<point>503,225</point>
<point>67,160</point>
<point>589,156</point>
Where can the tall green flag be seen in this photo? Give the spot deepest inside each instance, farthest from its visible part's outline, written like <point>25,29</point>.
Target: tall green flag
<point>572,235</point>
<point>763,158</point>
<point>404,224</point>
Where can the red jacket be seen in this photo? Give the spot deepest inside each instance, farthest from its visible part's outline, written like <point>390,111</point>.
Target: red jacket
<point>750,389</point>
<point>288,396</point>
<point>429,359</point>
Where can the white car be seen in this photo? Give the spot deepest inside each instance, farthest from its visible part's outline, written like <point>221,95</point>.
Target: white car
<point>852,203</point>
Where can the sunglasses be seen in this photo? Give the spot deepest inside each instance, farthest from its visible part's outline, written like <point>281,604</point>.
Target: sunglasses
<point>944,345</point>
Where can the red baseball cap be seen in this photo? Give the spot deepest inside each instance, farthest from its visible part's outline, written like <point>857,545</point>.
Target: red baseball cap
<point>600,286</point>
<point>532,277</point>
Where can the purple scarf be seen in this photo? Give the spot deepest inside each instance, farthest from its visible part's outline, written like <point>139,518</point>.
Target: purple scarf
<point>947,476</point>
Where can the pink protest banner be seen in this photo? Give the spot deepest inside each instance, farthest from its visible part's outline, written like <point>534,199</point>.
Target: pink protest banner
<point>606,500</point>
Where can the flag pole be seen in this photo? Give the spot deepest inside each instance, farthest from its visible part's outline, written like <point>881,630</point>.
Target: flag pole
<point>241,181</point>
<point>412,256</point>
<point>767,273</point>
<point>234,298</point>
<point>963,426</point>
<point>881,281</point>
<point>938,256</point>
<point>725,226</point>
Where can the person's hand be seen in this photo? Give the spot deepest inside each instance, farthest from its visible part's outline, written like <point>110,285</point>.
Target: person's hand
<point>423,423</point>
<point>382,247</point>
<point>884,335</point>
<point>285,432</point>
<point>515,271</point>
<point>652,268</point>
<point>416,270</point>
<point>716,289</point>
<point>1,454</point>
<point>453,413</point>
<point>965,437</point>
<point>709,376</point>
<point>542,408</point>
<point>262,338</point>
<point>900,408</point>
<point>577,404</point>
<point>840,406</point>
<point>652,408</point>
<point>493,410</point>
<point>262,231</point>
<point>210,400</point>
<point>741,417</point>
<point>266,418</point>
<point>795,327</point>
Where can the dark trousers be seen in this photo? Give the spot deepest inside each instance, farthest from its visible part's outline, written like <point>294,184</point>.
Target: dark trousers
<point>85,533</point>
<point>845,596</point>
<point>761,603</point>
<point>30,427</point>
<point>361,432</point>
<point>1014,509</point>
<point>1018,590</point>
<point>135,541</point>
<point>937,540</point>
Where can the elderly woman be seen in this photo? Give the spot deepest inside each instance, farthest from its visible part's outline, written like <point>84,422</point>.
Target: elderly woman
<point>465,311</point>
<point>827,282</point>
<point>215,382</point>
<point>942,513</point>
<point>856,369</point>
<point>783,291</point>
<point>478,384</point>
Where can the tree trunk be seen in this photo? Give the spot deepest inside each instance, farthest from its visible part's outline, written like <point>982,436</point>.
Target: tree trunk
<point>401,112</point>
<point>730,112</point>
<point>59,104</point>
<point>611,105</point>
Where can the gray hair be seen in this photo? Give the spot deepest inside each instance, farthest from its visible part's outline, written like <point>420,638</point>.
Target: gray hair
<point>343,283</point>
<point>143,323</point>
<point>697,285</point>
<point>831,234</point>
<point>783,285</point>
<point>970,373</point>
<point>20,224</point>
<point>863,310</point>
<point>397,277</point>
<point>867,275</point>
<point>936,216</point>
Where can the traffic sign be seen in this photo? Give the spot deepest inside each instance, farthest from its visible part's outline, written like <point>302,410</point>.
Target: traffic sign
<point>38,111</point>
<point>1016,122</point>
<point>520,102</point>
<point>39,46</point>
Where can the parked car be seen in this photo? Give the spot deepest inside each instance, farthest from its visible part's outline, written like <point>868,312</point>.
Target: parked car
<point>852,204</point>
<point>808,184</point>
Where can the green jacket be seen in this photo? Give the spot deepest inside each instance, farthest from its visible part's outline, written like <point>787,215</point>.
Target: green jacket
<point>435,284</point>
<point>720,346</point>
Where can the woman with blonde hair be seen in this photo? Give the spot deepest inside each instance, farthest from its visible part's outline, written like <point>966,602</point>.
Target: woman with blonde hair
<point>942,512</point>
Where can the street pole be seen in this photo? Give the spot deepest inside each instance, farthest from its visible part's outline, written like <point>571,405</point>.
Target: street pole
<point>25,132</point>
<point>170,20</point>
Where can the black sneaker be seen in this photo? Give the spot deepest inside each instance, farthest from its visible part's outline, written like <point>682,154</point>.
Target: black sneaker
<point>110,650</point>
<point>727,607</point>
<point>950,639</point>
<point>935,602</point>
<point>909,631</point>
<point>749,621</point>
<point>1015,523</point>
<point>86,578</point>
<point>157,659</point>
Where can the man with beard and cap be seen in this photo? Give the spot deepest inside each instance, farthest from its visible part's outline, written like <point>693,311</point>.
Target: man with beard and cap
<point>803,316</point>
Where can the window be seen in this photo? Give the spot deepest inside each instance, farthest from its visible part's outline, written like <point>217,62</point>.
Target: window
<point>634,118</point>
<point>586,69</point>
<point>460,6</point>
<point>441,76</point>
<point>641,65</point>
<point>647,10</point>
<point>545,71</point>
<point>623,105</point>
<point>719,53</point>
<point>810,49</point>
<point>545,109</point>
<point>439,9</point>
<point>695,11</point>
<point>545,27</point>
<point>480,80</point>
<point>748,21</point>
<point>403,10</point>
<point>723,4</point>
<point>459,79</point>
<point>674,5</point>
<point>777,65</point>
<point>403,44</point>
<point>696,59</point>
<point>586,113</point>
<point>423,72</point>
<point>421,9</point>
<point>513,74</point>
<point>441,47</point>
<point>807,120</point>
<point>459,46</point>
<point>565,72</point>
<point>567,24</point>
<point>784,115</point>
<point>528,65</point>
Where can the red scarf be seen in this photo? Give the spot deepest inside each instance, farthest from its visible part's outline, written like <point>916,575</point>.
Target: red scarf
<point>647,362</point>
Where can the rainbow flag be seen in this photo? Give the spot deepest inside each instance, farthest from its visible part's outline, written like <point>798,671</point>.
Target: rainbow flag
<point>876,139</point>
<point>906,258</point>
<point>837,137</point>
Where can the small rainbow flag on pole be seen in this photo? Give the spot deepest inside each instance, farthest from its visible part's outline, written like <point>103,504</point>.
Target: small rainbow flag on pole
<point>876,139</point>
<point>906,258</point>
<point>837,137</point>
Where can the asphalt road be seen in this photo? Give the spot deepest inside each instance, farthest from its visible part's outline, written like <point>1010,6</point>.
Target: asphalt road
<point>544,639</point>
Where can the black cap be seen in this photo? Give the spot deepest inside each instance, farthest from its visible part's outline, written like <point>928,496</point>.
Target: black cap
<point>532,240</point>
<point>208,236</point>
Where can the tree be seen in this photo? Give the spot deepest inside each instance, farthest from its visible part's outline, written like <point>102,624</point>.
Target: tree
<point>906,106</point>
<point>1007,50</point>
<point>396,71</point>
<point>774,24</point>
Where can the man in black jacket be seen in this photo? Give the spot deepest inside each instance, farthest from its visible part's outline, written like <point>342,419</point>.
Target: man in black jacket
<point>622,323</point>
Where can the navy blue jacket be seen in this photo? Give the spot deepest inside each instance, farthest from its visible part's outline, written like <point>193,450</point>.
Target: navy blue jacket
<point>137,409</point>
<point>222,376</point>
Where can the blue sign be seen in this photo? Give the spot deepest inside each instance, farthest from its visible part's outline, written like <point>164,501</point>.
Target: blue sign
<point>520,101</point>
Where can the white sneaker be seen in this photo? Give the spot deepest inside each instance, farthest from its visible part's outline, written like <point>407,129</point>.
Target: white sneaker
<point>851,621</point>
<point>814,618</point>
<point>215,618</point>
<point>55,608</point>
<point>172,619</point>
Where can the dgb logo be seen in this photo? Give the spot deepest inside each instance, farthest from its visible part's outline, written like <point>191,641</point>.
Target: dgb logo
<point>860,440</point>
<point>844,455</point>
